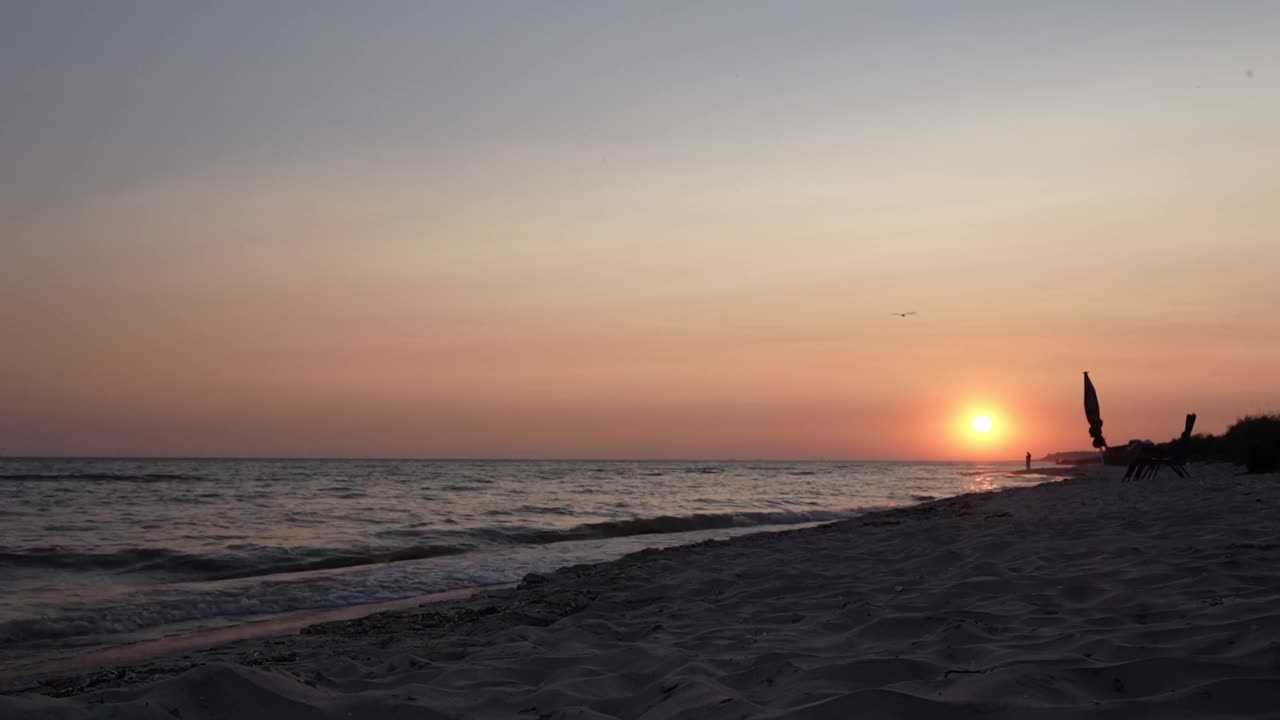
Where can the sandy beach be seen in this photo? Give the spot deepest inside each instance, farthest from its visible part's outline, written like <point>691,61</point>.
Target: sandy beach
<point>1081,598</point>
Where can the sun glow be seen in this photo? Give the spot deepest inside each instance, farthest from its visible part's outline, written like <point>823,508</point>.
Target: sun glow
<point>985,429</point>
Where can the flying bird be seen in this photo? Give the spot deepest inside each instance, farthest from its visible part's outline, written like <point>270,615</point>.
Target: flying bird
<point>913,312</point>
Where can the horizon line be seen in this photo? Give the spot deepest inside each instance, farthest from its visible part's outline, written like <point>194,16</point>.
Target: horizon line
<point>375,458</point>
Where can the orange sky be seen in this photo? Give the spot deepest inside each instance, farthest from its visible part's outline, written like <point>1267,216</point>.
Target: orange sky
<point>615,254</point>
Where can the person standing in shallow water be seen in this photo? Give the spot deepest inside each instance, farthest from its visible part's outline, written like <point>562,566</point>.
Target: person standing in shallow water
<point>1028,459</point>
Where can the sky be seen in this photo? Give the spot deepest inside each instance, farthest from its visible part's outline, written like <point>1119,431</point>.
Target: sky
<point>640,230</point>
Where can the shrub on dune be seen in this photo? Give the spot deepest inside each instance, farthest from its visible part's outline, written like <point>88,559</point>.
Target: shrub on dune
<point>1254,441</point>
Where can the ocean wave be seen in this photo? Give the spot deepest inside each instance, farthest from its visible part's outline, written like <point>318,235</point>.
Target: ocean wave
<point>247,561</point>
<point>68,559</point>
<point>262,597</point>
<point>98,477</point>
<point>242,563</point>
<point>666,524</point>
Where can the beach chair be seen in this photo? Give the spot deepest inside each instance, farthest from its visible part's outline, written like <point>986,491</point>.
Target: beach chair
<point>1147,463</point>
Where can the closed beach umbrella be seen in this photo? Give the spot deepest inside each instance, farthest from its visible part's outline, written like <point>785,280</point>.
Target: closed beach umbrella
<point>1093,414</point>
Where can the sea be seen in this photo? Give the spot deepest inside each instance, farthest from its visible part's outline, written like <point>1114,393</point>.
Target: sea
<point>99,553</point>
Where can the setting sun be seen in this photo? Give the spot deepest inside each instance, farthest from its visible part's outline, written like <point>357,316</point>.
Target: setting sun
<point>982,424</point>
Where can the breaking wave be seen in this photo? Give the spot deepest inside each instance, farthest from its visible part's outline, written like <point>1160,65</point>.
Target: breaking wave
<point>255,561</point>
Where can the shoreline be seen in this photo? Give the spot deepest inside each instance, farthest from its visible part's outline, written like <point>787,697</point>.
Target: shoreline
<point>71,663</point>
<point>63,669</point>
<point>224,546</point>
<point>1071,597</point>
<point>159,657</point>
<point>49,658</point>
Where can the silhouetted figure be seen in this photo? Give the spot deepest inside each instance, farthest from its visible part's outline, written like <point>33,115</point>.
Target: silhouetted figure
<point>1028,459</point>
